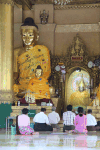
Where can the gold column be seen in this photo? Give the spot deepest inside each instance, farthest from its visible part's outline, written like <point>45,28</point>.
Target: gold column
<point>6,50</point>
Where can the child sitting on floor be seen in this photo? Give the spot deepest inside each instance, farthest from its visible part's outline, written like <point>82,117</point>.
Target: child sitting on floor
<point>80,122</point>
<point>24,123</point>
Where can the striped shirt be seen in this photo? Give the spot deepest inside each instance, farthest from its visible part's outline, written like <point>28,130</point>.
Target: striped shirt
<point>68,118</point>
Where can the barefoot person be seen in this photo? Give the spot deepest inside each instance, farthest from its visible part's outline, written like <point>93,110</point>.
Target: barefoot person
<point>24,123</point>
<point>80,122</point>
<point>42,122</point>
<point>68,118</point>
<point>91,122</point>
<point>54,119</point>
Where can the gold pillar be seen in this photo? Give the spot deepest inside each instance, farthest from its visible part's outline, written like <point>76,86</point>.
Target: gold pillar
<point>6,50</point>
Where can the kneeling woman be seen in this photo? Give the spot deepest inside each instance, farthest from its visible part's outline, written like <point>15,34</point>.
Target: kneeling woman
<point>80,122</point>
<point>24,123</point>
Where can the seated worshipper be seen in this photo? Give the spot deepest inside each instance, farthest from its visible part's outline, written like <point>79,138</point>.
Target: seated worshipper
<point>42,122</point>
<point>91,122</point>
<point>24,123</point>
<point>80,122</point>
<point>54,119</point>
<point>68,118</point>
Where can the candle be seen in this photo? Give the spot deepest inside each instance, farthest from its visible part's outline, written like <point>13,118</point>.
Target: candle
<point>18,103</point>
<point>91,82</point>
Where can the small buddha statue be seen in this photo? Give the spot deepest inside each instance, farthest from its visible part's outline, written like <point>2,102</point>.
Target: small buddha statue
<point>38,87</point>
<point>27,58</point>
<point>44,17</point>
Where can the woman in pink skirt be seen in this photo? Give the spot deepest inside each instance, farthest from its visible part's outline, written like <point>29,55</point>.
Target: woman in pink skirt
<point>24,123</point>
<point>80,122</point>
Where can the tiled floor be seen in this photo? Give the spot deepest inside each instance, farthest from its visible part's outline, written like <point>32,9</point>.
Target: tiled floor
<point>48,141</point>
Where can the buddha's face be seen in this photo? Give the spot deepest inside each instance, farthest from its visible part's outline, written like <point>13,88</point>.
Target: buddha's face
<point>29,36</point>
<point>38,73</point>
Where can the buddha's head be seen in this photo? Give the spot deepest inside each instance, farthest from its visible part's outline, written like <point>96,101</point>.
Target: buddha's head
<point>38,71</point>
<point>29,32</point>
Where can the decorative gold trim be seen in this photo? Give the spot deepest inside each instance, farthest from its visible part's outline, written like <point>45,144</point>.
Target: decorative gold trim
<point>9,2</point>
<point>62,7</point>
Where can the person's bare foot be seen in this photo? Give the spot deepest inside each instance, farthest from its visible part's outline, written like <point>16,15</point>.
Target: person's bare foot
<point>71,131</point>
<point>75,132</point>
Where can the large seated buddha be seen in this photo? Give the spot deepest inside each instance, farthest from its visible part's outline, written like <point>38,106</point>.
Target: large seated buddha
<point>29,57</point>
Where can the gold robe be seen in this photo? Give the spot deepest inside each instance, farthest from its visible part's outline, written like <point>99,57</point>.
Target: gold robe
<point>40,87</point>
<point>28,62</point>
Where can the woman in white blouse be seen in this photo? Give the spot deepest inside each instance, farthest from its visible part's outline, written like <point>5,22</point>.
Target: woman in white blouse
<point>24,123</point>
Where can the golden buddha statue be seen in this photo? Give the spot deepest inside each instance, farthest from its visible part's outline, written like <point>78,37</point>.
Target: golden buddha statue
<point>80,97</point>
<point>26,59</point>
<point>38,87</point>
